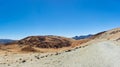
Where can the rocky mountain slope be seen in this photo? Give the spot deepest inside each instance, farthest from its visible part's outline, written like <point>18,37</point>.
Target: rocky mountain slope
<point>101,50</point>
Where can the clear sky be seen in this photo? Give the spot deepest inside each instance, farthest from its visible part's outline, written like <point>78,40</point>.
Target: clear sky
<point>21,18</point>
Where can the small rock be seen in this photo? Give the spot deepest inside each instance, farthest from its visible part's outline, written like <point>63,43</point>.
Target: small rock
<point>23,61</point>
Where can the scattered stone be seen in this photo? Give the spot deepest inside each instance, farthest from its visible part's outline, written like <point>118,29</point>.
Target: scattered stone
<point>37,57</point>
<point>68,51</point>
<point>42,56</point>
<point>23,61</point>
<point>20,59</point>
<point>8,64</point>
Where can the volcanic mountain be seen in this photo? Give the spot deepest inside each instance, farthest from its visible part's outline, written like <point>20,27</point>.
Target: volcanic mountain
<point>39,44</point>
<point>46,41</point>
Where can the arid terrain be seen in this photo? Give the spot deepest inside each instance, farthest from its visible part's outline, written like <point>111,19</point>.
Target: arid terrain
<point>99,50</point>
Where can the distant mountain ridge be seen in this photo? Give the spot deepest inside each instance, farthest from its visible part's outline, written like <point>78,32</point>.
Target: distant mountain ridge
<point>82,37</point>
<point>4,41</point>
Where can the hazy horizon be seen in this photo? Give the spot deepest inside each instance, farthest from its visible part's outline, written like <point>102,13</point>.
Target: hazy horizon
<point>22,18</point>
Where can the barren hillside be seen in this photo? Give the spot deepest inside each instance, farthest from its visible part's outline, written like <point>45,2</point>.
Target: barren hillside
<point>38,44</point>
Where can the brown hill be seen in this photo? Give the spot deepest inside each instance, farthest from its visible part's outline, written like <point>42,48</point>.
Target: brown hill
<point>38,44</point>
<point>46,41</point>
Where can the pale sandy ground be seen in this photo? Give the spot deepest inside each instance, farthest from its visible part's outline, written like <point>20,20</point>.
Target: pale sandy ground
<point>99,54</point>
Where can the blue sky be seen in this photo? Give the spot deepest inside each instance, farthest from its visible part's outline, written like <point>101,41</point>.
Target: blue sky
<point>21,18</point>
